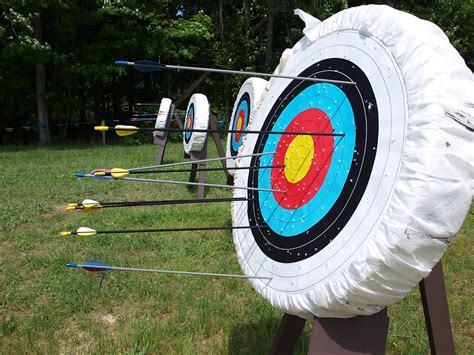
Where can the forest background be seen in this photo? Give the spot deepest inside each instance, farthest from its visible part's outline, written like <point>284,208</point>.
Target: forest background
<point>57,72</point>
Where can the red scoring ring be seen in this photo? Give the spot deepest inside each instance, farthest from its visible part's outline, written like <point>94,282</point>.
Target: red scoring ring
<point>241,120</point>
<point>310,120</point>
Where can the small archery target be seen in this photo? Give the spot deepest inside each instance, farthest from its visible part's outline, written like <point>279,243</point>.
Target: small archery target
<point>197,117</point>
<point>246,104</point>
<point>162,118</point>
<point>344,232</point>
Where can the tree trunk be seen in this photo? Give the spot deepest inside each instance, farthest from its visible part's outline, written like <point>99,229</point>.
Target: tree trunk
<point>246,14</point>
<point>221,18</point>
<point>191,89</point>
<point>269,40</point>
<point>40,76</point>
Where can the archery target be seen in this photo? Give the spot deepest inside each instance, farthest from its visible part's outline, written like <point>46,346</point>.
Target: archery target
<point>246,104</point>
<point>162,117</point>
<point>197,117</point>
<point>357,219</point>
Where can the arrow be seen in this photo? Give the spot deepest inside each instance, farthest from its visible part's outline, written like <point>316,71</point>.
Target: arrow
<point>125,130</point>
<point>175,182</point>
<point>96,266</point>
<point>189,162</point>
<point>119,173</point>
<point>92,205</point>
<point>148,66</point>
<point>198,161</point>
<point>87,232</point>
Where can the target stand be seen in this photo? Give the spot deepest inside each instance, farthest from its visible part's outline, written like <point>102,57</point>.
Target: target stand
<point>368,334</point>
<point>201,155</point>
<point>173,116</point>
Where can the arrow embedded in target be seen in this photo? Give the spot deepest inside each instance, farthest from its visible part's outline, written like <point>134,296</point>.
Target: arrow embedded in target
<point>125,130</point>
<point>176,182</point>
<point>97,266</point>
<point>87,232</point>
<point>148,66</point>
<point>92,205</point>
<point>119,173</point>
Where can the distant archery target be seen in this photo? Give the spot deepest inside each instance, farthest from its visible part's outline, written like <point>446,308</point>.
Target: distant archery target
<point>357,220</point>
<point>246,104</point>
<point>197,117</point>
<point>163,116</point>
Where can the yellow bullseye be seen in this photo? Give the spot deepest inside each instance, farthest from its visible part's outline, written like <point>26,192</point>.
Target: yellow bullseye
<point>298,158</point>
<point>240,124</point>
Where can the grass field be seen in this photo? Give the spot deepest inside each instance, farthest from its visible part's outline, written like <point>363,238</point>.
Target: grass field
<point>48,308</point>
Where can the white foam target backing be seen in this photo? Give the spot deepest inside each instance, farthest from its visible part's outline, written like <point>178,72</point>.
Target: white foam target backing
<point>162,116</point>
<point>245,107</point>
<point>375,208</point>
<point>197,117</point>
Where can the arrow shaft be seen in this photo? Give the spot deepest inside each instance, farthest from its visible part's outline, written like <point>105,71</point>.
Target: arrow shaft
<point>168,230</point>
<point>206,169</point>
<point>198,161</point>
<point>190,183</point>
<point>193,273</point>
<point>241,72</point>
<point>172,202</point>
<point>225,131</point>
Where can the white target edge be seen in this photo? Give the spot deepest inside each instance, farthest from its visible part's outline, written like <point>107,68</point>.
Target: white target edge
<point>162,116</point>
<point>201,121</point>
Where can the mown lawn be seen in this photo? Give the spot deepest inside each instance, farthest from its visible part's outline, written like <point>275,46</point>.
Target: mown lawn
<point>48,308</point>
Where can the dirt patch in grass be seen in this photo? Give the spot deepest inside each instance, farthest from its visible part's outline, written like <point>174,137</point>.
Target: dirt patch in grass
<point>73,340</point>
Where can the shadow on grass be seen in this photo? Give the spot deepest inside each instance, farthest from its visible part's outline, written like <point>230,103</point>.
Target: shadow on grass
<point>256,337</point>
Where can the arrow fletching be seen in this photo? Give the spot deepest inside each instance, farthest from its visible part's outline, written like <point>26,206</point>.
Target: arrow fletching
<point>148,66</point>
<point>91,266</point>
<point>85,232</point>
<point>118,173</point>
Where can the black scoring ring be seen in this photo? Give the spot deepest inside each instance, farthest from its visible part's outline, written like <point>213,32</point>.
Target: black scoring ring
<point>319,235</point>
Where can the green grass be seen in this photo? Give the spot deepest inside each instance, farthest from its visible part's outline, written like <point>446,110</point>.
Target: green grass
<point>47,308</point>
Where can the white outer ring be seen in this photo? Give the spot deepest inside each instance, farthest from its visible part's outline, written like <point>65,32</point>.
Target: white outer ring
<point>255,88</point>
<point>162,116</point>
<point>370,266</point>
<point>201,121</point>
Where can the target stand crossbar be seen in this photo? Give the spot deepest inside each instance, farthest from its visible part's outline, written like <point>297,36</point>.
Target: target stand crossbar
<point>161,141</point>
<point>368,334</point>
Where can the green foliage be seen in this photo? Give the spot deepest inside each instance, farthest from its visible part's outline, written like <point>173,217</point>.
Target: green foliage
<point>82,39</point>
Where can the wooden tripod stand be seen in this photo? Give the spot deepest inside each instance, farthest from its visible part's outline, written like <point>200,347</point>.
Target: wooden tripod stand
<point>368,334</point>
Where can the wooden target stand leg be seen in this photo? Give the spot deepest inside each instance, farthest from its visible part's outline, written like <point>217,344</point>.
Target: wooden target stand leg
<point>161,141</point>
<point>368,334</point>
<point>203,154</point>
<point>219,147</point>
<point>202,174</point>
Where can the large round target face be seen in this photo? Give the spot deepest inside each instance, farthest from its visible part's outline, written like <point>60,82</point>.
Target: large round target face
<point>240,121</point>
<point>189,123</point>
<point>330,189</point>
<point>361,197</point>
<point>324,176</point>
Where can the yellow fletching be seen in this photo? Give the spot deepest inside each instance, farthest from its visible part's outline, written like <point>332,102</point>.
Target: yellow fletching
<point>101,128</point>
<point>70,207</point>
<point>123,130</point>
<point>64,234</point>
<point>99,173</point>
<point>118,173</point>
<point>90,208</point>
<point>86,234</point>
